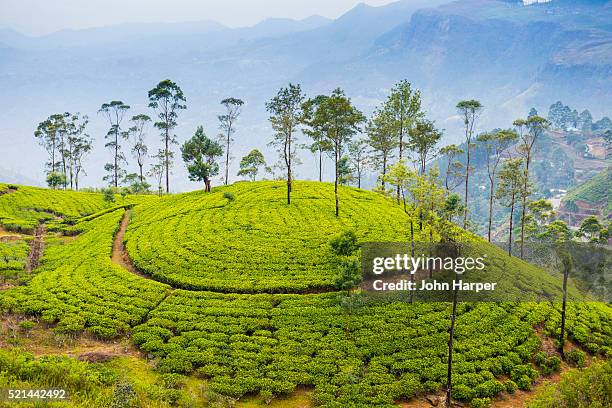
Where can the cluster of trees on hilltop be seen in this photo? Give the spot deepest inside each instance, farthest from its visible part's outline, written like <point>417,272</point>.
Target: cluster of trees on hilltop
<point>562,117</point>
<point>397,133</point>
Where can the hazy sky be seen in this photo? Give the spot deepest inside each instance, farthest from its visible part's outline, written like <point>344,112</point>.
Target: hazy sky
<point>36,17</point>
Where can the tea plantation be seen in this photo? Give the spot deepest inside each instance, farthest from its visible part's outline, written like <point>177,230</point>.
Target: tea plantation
<point>255,242</point>
<point>242,296</point>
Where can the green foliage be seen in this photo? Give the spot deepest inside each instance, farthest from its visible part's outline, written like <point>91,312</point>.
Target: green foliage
<point>199,154</point>
<point>576,357</point>
<point>254,343</point>
<point>81,380</point>
<point>350,274</point>
<point>229,196</point>
<point>379,353</point>
<point>548,364</point>
<point>56,180</point>
<point>344,244</point>
<point>274,247</point>
<point>510,386</point>
<point>480,403</point>
<point>13,257</point>
<point>579,388</point>
<point>78,287</point>
<point>108,195</point>
<point>124,396</point>
<point>251,163</point>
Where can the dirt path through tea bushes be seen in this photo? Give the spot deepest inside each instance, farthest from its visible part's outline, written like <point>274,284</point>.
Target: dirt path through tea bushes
<point>120,255</point>
<point>36,248</point>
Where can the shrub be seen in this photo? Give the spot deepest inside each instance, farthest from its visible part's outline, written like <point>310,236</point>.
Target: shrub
<point>172,380</point>
<point>510,386</point>
<point>548,364</point>
<point>27,325</point>
<point>480,403</point>
<point>350,274</point>
<point>552,365</point>
<point>344,244</point>
<point>266,396</point>
<point>124,396</point>
<point>576,357</point>
<point>488,388</point>
<point>524,383</point>
<point>229,196</point>
<point>462,392</point>
<point>579,388</point>
<point>108,195</point>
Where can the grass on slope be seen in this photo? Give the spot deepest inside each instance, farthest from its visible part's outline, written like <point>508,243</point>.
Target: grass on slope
<point>594,191</point>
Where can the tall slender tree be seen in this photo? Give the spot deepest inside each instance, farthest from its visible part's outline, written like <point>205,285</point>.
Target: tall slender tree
<point>158,168</point>
<point>495,144</point>
<point>358,153</point>
<point>423,138</point>
<point>381,138</point>
<point>320,144</point>
<point>76,146</point>
<point>339,120</point>
<point>530,131</point>
<point>114,112</point>
<point>404,108</point>
<point>509,190</point>
<point>285,117</point>
<point>137,133</point>
<point>470,111</point>
<point>226,123</point>
<point>47,133</point>
<point>61,121</point>
<point>453,167</point>
<point>167,99</point>
<point>82,148</point>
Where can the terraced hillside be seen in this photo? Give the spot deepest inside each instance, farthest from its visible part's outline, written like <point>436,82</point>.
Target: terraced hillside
<point>589,198</point>
<point>350,349</point>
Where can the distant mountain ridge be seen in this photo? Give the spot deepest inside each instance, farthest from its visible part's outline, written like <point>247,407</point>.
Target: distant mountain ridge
<point>509,56</point>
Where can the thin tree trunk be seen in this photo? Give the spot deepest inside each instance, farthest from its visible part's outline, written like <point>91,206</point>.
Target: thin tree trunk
<point>491,208</point>
<point>451,332</point>
<point>229,129</point>
<point>523,210</point>
<point>384,173</point>
<point>412,255</point>
<point>167,162</point>
<point>320,165</point>
<point>511,220</point>
<point>467,178</point>
<point>336,181</point>
<point>141,176</point>
<point>563,311</point>
<point>288,163</point>
<point>400,159</point>
<point>53,156</point>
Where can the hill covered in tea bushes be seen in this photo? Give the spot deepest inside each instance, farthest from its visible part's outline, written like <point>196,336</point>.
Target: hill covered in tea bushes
<point>242,296</point>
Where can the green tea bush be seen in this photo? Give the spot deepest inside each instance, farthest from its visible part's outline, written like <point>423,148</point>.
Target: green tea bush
<point>576,357</point>
<point>258,243</point>
<point>579,388</point>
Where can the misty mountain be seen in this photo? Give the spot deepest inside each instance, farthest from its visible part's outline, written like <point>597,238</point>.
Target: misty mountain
<point>508,55</point>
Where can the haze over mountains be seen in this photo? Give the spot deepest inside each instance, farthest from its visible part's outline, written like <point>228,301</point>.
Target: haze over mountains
<point>508,55</point>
